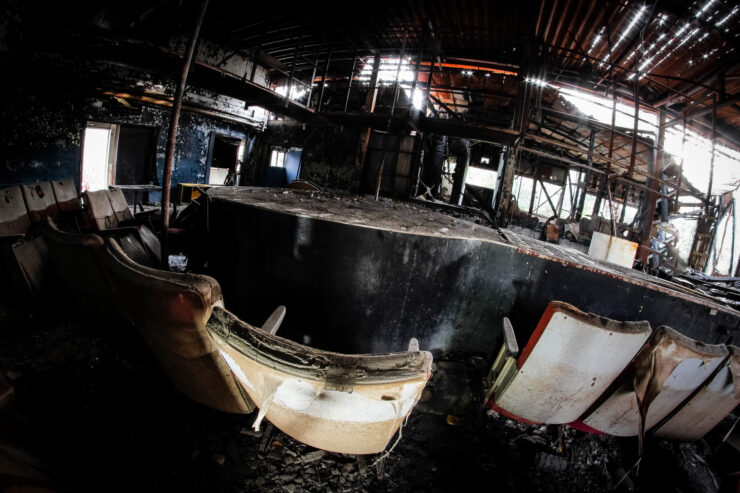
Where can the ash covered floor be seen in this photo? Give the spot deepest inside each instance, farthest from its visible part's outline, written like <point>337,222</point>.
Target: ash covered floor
<point>90,414</point>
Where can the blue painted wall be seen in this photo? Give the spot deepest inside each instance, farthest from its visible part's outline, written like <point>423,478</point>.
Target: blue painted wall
<point>42,136</point>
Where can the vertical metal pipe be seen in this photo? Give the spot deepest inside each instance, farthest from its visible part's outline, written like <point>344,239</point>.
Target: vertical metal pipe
<point>714,140</point>
<point>606,182</point>
<point>380,175</point>
<point>589,160</point>
<point>398,72</point>
<point>416,76</point>
<point>372,90</point>
<point>534,188</point>
<point>636,96</point>
<point>172,135</point>
<point>425,101</point>
<point>676,205</point>
<point>254,63</point>
<point>561,199</point>
<point>349,84</point>
<point>323,77</point>
<point>625,194</point>
<point>289,88</point>
<point>310,84</point>
<point>655,165</point>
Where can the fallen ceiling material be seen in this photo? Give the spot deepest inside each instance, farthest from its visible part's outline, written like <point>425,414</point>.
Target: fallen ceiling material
<point>616,378</point>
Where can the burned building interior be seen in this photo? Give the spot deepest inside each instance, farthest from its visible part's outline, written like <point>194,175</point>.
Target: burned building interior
<point>394,246</point>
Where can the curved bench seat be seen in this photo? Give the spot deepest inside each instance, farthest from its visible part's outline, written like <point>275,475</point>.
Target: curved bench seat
<point>667,371</point>
<point>170,311</point>
<point>710,405</point>
<point>569,361</point>
<point>349,404</point>
<point>78,259</point>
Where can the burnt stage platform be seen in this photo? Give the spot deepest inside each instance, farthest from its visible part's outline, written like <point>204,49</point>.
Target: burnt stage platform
<point>363,276</point>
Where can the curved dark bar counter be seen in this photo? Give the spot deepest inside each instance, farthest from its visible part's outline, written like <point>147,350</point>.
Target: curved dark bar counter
<point>362,276</point>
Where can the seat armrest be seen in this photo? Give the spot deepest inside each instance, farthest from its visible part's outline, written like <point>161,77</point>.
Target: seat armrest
<point>512,347</point>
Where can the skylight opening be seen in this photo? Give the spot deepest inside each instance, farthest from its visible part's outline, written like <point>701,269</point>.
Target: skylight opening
<point>296,93</point>
<point>387,70</point>
<point>696,153</point>
<point>539,82</point>
<point>704,8</point>
<point>596,40</point>
<point>627,31</point>
<point>680,31</point>
<point>727,17</point>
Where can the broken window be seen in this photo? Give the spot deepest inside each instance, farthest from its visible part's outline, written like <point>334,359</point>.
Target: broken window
<point>481,177</point>
<point>389,72</point>
<point>277,158</point>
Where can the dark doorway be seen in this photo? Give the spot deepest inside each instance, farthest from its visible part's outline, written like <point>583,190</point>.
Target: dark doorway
<point>226,154</point>
<point>135,163</point>
<point>135,160</point>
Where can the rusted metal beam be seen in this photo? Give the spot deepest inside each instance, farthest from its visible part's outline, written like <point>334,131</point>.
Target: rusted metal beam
<point>172,135</point>
<point>582,198</point>
<point>610,154</point>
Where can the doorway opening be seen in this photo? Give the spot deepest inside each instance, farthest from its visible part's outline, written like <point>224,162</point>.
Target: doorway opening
<point>99,150</point>
<point>226,157</point>
<point>116,154</point>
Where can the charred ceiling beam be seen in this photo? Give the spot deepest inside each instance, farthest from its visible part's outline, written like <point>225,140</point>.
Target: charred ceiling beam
<point>451,128</point>
<point>219,81</point>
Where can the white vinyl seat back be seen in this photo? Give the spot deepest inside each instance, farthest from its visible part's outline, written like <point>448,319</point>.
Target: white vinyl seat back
<point>14,219</point>
<point>569,361</point>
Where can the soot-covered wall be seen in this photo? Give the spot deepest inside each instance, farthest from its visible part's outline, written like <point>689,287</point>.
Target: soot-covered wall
<point>42,136</point>
<point>330,153</point>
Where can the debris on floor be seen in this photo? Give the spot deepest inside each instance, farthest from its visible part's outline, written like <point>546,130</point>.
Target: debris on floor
<point>93,410</point>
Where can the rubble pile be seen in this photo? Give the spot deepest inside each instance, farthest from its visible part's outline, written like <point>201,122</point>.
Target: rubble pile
<point>93,414</point>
